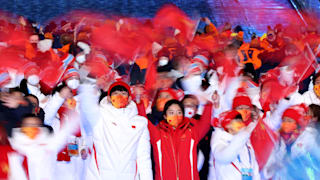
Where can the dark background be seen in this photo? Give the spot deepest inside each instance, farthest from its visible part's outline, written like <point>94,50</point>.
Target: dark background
<point>44,10</point>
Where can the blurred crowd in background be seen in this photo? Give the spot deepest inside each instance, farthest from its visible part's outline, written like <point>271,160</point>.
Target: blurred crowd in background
<point>90,96</point>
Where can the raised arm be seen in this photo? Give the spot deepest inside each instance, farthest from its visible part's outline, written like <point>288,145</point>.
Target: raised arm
<point>90,110</point>
<point>274,119</point>
<point>203,125</point>
<point>52,107</point>
<point>152,128</point>
<point>226,153</point>
<point>70,126</point>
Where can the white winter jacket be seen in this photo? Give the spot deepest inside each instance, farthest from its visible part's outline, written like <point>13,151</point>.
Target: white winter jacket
<point>41,152</point>
<point>303,144</point>
<point>121,139</point>
<point>227,149</point>
<point>310,97</point>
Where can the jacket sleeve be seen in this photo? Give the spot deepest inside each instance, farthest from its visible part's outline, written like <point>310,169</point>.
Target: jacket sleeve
<point>89,107</point>
<point>227,152</point>
<point>143,156</point>
<point>274,120</point>
<point>203,125</point>
<point>52,108</point>
<point>141,110</point>
<point>227,95</point>
<point>151,127</point>
<point>59,140</point>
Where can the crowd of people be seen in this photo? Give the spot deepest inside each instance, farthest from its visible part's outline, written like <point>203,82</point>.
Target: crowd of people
<point>90,97</point>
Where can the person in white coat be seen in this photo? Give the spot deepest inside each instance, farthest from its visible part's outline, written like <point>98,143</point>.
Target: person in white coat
<point>296,139</point>
<point>312,96</point>
<point>231,150</point>
<point>120,136</point>
<point>31,84</point>
<point>72,160</point>
<point>39,147</point>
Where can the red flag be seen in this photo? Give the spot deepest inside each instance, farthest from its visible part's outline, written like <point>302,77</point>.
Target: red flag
<point>263,140</point>
<point>171,16</point>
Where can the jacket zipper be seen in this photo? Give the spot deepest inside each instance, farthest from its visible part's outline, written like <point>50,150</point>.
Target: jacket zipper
<point>174,157</point>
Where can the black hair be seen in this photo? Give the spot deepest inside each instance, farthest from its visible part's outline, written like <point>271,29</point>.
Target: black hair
<point>171,102</point>
<point>189,96</point>
<point>166,68</point>
<point>315,110</point>
<point>237,29</point>
<point>24,87</point>
<point>29,115</point>
<point>249,71</point>
<point>58,88</point>
<point>31,95</point>
<point>118,88</point>
<point>314,78</point>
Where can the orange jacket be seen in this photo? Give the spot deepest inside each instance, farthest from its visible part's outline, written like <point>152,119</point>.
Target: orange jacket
<point>249,55</point>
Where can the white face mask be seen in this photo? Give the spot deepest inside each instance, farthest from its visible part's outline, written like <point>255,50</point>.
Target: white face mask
<point>73,83</point>
<point>287,76</point>
<point>192,84</point>
<point>33,80</point>
<point>189,112</point>
<point>81,58</point>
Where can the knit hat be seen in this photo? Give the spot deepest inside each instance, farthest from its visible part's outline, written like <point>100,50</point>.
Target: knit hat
<point>227,117</point>
<point>297,113</point>
<point>119,83</point>
<point>31,69</point>
<point>70,72</point>
<point>176,94</point>
<point>202,59</point>
<point>241,100</point>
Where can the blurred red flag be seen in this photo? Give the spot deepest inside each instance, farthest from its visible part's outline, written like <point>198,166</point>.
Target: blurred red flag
<point>263,140</point>
<point>171,16</point>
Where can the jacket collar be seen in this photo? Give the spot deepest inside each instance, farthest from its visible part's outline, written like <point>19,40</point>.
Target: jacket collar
<point>183,126</point>
<point>127,112</point>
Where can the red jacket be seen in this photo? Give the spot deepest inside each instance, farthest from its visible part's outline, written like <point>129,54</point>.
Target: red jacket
<point>175,150</point>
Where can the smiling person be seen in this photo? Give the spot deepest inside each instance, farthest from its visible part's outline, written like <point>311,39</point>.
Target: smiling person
<point>120,136</point>
<point>174,141</point>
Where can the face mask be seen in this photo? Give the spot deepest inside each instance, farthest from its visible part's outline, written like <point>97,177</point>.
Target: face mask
<point>31,132</point>
<point>287,76</point>
<point>174,120</point>
<point>73,83</point>
<point>245,114</point>
<point>160,103</point>
<point>189,112</point>
<point>236,126</point>
<point>288,127</point>
<point>192,84</point>
<point>81,59</point>
<point>33,80</point>
<point>119,101</point>
<point>316,89</point>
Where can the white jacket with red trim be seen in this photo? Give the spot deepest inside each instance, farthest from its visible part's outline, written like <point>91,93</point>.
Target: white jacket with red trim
<point>225,150</point>
<point>40,152</point>
<point>121,139</point>
<point>305,143</point>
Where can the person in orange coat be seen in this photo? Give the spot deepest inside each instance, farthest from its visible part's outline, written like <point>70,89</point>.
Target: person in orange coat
<point>248,53</point>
